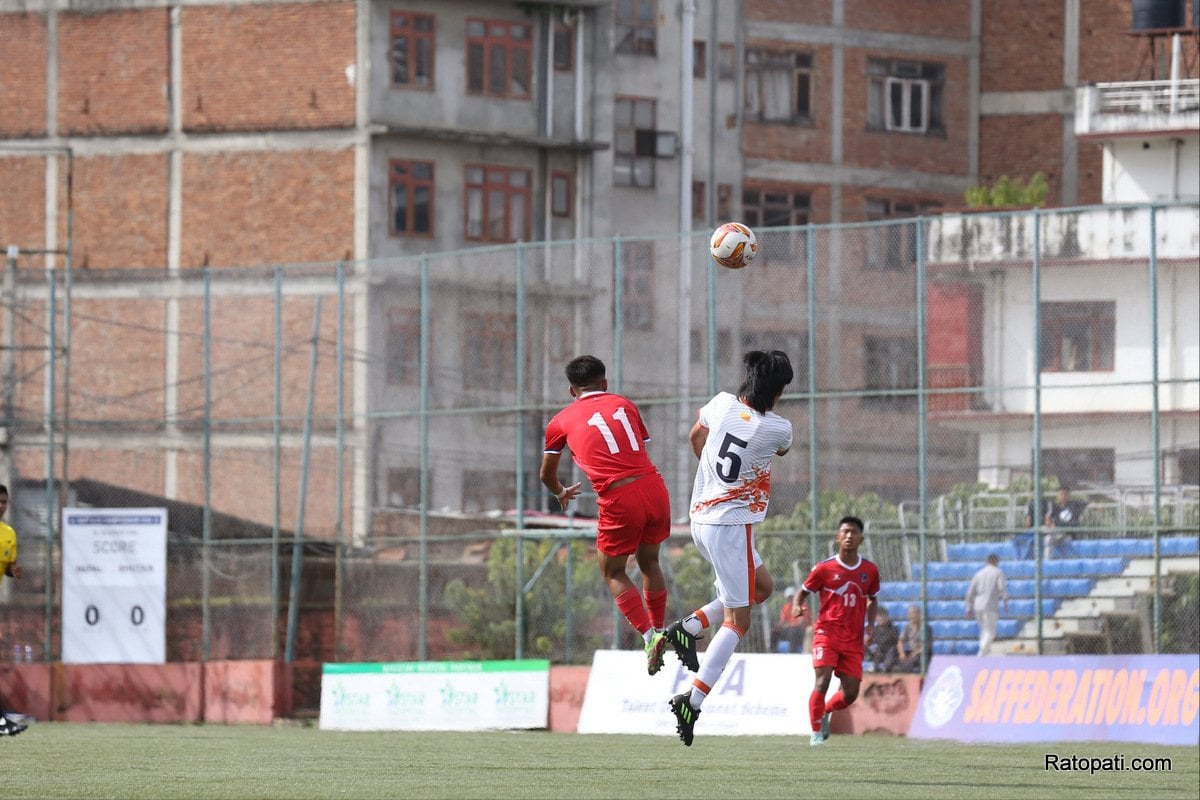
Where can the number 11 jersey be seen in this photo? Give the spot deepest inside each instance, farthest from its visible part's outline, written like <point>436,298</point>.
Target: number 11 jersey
<point>733,480</point>
<point>606,437</point>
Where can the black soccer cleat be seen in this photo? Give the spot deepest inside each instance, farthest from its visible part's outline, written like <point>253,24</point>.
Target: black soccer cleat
<point>684,645</point>
<point>685,717</point>
<point>10,728</point>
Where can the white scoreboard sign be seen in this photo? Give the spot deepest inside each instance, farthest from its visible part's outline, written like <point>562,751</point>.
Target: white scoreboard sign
<point>114,586</point>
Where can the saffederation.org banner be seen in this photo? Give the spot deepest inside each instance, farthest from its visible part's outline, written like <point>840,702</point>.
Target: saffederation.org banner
<point>1150,699</point>
<point>435,696</point>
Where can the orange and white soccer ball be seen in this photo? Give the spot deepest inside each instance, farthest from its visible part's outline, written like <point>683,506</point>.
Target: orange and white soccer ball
<point>733,245</point>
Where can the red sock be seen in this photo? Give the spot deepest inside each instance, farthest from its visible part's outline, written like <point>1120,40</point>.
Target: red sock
<point>630,603</point>
<point>656,603</point>
<point>816,709</point>
<point>836,703</point>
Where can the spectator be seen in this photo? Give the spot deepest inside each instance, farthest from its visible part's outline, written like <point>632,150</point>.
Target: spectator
<point>983,598</point>
<point>1062,514</point>
<point>908,648</point>
<point>882,648</point>
<point>788,636</point>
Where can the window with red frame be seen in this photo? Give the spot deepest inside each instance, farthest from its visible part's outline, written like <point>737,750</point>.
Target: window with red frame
<point>412,50</point>
<point>410,193</point>
<point>498,204</point>
<point>499,58</point>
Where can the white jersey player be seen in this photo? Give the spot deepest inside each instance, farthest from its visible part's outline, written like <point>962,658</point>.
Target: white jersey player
<point>735,437</point>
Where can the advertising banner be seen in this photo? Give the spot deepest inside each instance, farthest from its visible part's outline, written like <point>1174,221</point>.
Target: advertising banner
<point>435,696</point>
<point>114,586</point>
<point>1150,699</point>
<point>759,694</point>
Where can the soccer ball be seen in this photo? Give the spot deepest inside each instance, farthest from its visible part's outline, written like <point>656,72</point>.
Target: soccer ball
<point>733,245</point>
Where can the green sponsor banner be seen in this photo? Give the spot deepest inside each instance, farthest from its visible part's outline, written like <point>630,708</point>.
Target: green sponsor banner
<point>435,667</point>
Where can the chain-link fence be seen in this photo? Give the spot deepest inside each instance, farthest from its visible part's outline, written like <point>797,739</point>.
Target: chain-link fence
<point>349,452</point>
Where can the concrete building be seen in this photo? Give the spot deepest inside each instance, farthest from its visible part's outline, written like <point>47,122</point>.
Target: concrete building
<point>145,139</point>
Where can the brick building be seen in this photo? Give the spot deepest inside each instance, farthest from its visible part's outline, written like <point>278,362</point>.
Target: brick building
<point>145,139</point>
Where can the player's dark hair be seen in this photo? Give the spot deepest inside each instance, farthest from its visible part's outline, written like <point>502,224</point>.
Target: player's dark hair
<point>585,371</point>
<point>855,521</point>
<point>3,489</point>
<point>766,373</point>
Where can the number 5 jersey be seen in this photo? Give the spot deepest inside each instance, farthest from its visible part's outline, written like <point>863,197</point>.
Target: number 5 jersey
<point>733,480</point>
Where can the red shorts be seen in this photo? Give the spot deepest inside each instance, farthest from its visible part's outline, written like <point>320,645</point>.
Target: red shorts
<point>632,515</point>
<point>843,656</point>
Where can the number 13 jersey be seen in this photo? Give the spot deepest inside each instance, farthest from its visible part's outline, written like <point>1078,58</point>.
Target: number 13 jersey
<point>606,436</point>
<point>733,480</point>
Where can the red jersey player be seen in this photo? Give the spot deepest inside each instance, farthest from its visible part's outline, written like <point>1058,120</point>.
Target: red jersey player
<point>607,438</point>
<point>846,586</point>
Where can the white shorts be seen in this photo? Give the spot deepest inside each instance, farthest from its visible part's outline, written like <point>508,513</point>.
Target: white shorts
<point>730,549</point>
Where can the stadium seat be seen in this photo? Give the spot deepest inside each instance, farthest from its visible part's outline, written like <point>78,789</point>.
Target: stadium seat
<point>1008,628</point>
<point>899,590</point>
<point>966,647</point>
<point>1176,546</point>
<point>943,648</point>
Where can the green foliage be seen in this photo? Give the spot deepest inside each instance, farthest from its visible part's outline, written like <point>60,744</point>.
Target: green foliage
<point>1009,193</point>
<point>1181,616</point>
<point>488,613</point>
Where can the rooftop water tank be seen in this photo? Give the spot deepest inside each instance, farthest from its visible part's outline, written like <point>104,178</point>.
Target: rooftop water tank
<point>1157,14</point>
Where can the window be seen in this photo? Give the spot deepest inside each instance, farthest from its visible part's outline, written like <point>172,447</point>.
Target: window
<point>412,50</point>
<point>700,200</point>
<point>634,142</point>
<point>1078,337</point>
<point>564,47</point>
<point>893,247</point>
<point>789,341</point>
<point>489,348</point>
<point>560,194</point>
<point>890,363</point>
<point>1075,465</point>
<point>499,55</point>
<point>410,185</point>
<point>637,27</point>
<point>1188,467</point>
<point>778,86</point>
<point>699,61</point>
<point>726,59</point>
<point>403,487</point>
<point>403,346</point>
<point>638,272</point>
<point>769,208</point>
<point>488,490</point>
<point>905,96</point>
<point>498,204</point>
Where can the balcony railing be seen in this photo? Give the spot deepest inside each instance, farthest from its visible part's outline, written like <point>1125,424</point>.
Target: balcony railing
<point>1138,106</point>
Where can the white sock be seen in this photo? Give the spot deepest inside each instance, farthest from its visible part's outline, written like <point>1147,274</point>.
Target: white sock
<point>723,643</point>
<point>714,610</point>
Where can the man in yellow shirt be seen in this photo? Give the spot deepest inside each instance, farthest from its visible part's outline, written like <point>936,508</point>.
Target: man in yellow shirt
<point>10,567</point>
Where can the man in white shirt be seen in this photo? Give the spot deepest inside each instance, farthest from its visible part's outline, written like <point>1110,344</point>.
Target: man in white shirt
<point>983,598</point>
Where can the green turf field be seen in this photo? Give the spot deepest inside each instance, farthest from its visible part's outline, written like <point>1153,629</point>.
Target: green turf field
<point>64,760</point>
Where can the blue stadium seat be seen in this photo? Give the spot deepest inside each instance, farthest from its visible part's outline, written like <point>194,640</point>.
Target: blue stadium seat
<point>1023,608</point>
<point>1176,546</point>
<point>1008,628</point>
<point>966,647</point>
<point>899,590</point>
<point>1087,548</point>
<point>943,648</point>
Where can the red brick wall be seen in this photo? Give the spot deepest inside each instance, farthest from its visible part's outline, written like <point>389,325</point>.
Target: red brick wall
<point>120,205</point>
<point>23,200</point>
<point>1022,45</point>
<point>117,381</point>
<point>924,17</point>
<point>1106,51</point>
<point>1020,145</point>
<point>268,67</point>
<point>267,207</point>
<point>113,72</point>
<point>22,76</point>
<point>817,12</point>
<point>946,154</point>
